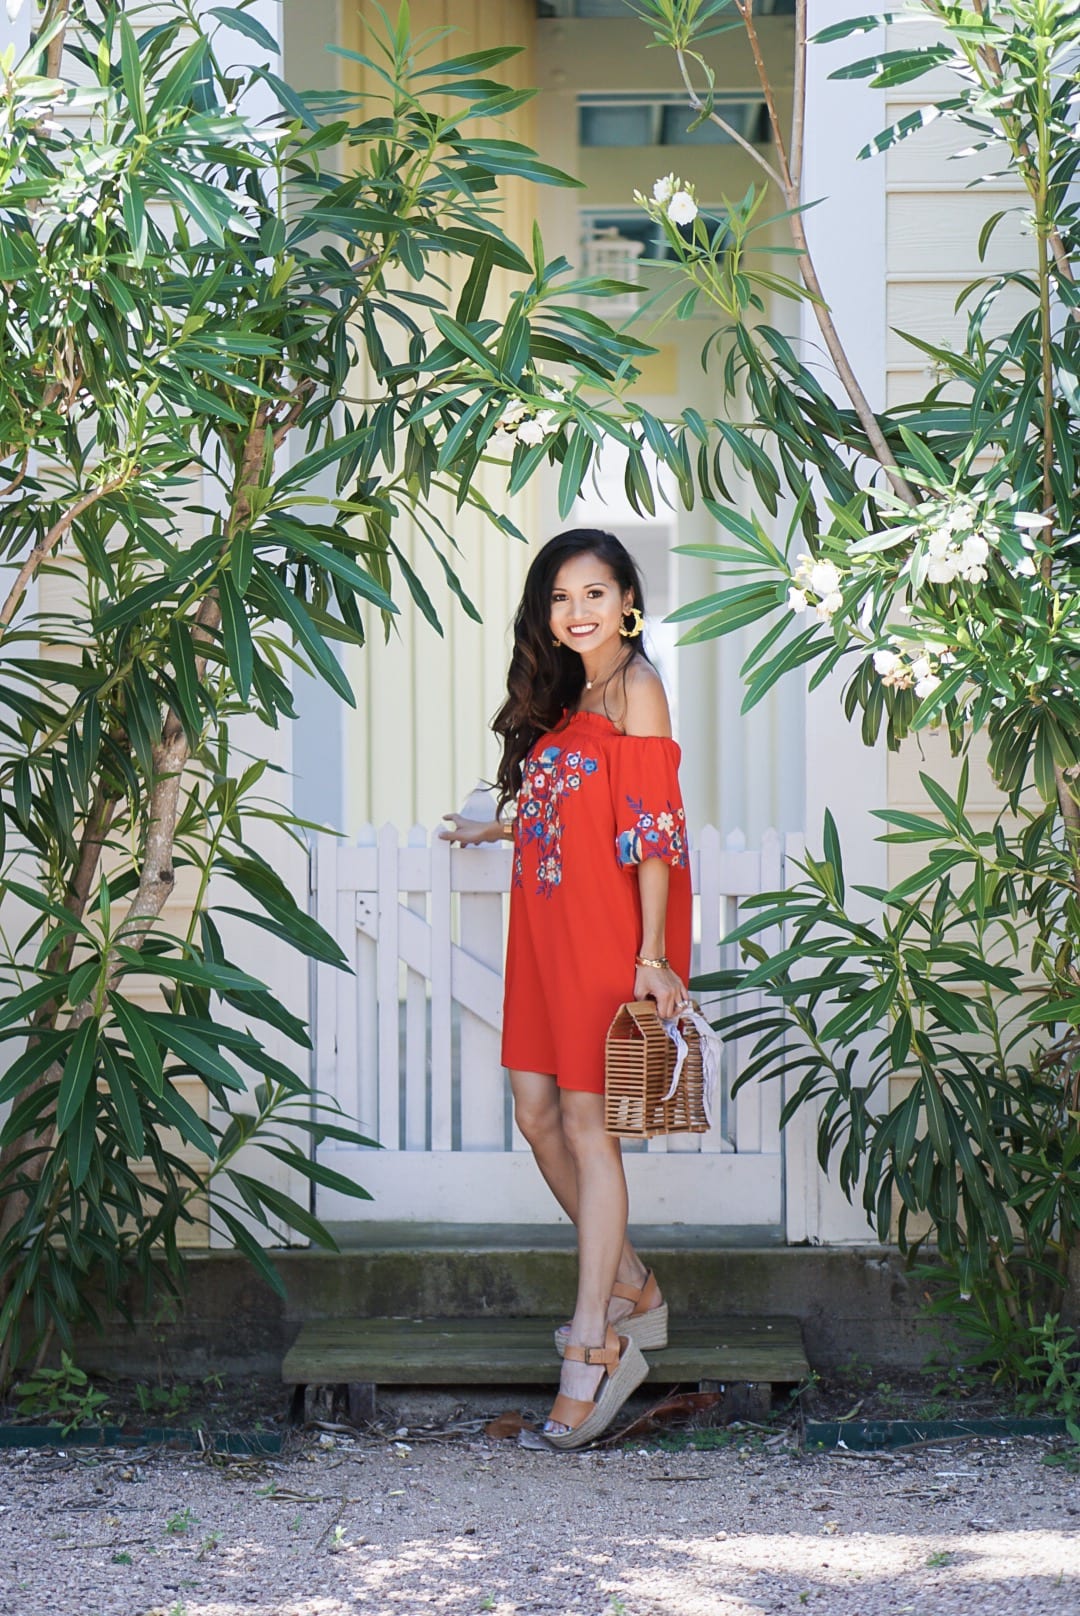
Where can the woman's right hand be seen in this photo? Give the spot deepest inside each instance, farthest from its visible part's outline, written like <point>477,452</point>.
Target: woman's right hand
<point>472,832</point>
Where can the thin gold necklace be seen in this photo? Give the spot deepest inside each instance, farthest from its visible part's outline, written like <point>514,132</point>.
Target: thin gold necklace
<point>590,682</point>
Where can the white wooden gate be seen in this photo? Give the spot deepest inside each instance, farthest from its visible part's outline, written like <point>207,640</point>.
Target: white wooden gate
<point>409,1044</point>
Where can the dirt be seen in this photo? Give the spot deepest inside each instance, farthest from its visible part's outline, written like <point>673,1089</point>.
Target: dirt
<point>402,1525</point>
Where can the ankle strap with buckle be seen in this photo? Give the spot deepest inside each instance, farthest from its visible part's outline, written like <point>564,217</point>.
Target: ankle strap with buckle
<point>607,1355</point>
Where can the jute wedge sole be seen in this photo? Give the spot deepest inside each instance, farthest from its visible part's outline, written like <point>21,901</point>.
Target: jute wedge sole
<point>647,1326</point>
<point>626,1369</point>
<point>648,1331</point>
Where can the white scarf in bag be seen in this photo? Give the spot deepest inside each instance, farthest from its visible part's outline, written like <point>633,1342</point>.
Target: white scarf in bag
<point>712,1050</point>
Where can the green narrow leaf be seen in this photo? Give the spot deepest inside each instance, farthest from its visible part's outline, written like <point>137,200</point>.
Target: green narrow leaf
<point>126,1101</point>
<point>245,1241</point>
<point>288,97</point>
<point>471,302</point>
<point>296,615</point>
<point>244,23</point>
<point>317,1173</point>
<point>30,1065</point>
<point>136,222</point>
<point>136,1029</point>
<point>195,1051</point>
<point>79,1139</point>
<point>22,1007</point>
<point>199,973</point>
<point>132,73</point>
<point>186,678</point>
<point>78,1070</point>
<point>237,635</point>
<point>578,454</point>
<point>186,1120</point>
<point>289,1211</point>
<point>834,855</point>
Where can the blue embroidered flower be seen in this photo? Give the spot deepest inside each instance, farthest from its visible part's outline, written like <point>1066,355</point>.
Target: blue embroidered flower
<point>653,836</point>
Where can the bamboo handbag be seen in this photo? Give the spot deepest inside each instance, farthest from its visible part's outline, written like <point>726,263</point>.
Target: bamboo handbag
<point>659,1077</point>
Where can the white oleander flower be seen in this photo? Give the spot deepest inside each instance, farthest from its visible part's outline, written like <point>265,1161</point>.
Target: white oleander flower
<point>682,209</point>
<point>664,189</point>
<point>803,571</point>
<point>942,570</point>
<point>939,543</point>
<point>920,668</point>
<point>976,575</point>
<point>514,412</point>
<point>829,604</point>
<point>886,662</point>
<point>927,685</point>
<point>546,421</point>
<point>824,578</point>
<point>796,599</point>
<point>530,433</point>
<point>1025,568</point>
<point>974,550</point>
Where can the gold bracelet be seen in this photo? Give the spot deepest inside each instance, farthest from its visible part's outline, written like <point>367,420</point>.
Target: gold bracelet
<point>660,964</point>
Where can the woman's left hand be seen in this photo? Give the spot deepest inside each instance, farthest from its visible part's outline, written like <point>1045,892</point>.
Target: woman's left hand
<point>664,986</point>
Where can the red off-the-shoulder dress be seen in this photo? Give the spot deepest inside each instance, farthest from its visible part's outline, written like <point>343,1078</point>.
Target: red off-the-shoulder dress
<point>593,804</point>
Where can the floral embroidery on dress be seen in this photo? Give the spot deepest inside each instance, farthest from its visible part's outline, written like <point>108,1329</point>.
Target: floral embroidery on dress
<point>660,835</point>
<point>546,779</point>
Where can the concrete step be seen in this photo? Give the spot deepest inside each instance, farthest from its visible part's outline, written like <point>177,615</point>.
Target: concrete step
<point>847,1300</point>
<point>520,1352</point>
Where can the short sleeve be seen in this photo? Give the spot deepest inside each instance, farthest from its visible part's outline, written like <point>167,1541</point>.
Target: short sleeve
<point>650,821</point>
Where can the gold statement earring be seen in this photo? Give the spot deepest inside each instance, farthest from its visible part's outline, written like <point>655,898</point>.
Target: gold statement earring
<point>637,625</point>
<point>556,643</point>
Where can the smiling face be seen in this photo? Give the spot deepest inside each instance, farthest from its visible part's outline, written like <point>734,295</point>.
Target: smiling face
<point>587,605</point>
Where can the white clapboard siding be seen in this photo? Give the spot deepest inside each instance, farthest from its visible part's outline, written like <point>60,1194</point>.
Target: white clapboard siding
<point>934,217</point>
<point>409,1043</point>
<point>918,246</point>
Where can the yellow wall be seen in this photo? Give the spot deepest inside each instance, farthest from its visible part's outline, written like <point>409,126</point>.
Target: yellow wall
<point>419,740</point>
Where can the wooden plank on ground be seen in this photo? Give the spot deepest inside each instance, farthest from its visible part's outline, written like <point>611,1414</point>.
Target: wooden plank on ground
<point>496,1351</point>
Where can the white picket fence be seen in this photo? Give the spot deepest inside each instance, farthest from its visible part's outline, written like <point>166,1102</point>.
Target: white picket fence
<point>409,1043</point>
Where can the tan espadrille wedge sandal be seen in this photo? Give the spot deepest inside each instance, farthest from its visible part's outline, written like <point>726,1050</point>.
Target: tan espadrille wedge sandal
<point>626,1369</point>
<point>647,1325</point>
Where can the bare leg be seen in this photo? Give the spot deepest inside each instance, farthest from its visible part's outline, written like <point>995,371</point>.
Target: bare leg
<point>601,1224</point>
<point>539,1116</point>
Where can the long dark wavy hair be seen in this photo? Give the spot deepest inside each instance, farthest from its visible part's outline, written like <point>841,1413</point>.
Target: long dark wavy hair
<point>545,678</point>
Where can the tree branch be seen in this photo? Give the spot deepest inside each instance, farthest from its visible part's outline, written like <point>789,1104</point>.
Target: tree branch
<point>798,96</point>
<point>55,52</point>
<point>848,380</point>
<point>18,477</point>
<point>721,123</point>
<point>76,898</point>
<point>42,551</point>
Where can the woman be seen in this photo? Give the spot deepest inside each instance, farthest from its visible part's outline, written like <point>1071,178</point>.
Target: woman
<point>600,902</point>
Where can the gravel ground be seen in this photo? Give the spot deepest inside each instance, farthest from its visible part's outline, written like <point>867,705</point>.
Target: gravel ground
<point>402,1528</point>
